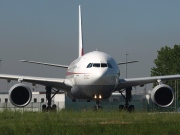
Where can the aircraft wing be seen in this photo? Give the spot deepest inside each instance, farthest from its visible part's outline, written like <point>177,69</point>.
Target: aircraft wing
<point>121,63</point>
<point>42,63</point>
<point>130,82</point>
<point>52,82</point>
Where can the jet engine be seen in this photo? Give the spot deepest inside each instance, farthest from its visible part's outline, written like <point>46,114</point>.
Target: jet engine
<point>162,95</point>
<point>20,95</point>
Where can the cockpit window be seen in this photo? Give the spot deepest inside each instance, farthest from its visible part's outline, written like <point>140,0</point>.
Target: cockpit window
<point>96,65</point>
<point>89,65</point>
<point>103,65</point>
<point>109,65</point>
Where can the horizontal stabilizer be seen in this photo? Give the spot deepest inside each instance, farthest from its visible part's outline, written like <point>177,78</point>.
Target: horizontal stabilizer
<point>121,63</point>
<point>48,64</point>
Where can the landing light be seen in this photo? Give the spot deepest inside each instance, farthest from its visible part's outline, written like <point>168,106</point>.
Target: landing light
<point>97,97</point>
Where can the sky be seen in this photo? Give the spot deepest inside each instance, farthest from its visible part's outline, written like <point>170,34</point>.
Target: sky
<point>47,31</point>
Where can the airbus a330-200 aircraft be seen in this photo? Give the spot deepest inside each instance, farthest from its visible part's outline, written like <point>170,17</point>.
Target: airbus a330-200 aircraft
<point>92,76</point>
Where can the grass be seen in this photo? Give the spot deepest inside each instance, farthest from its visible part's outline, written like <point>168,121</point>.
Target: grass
<point>70,122</point>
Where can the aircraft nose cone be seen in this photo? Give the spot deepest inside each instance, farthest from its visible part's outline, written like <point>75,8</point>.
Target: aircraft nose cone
<point>101,76</point>
<point>100,73</point>
<point>104,77</point>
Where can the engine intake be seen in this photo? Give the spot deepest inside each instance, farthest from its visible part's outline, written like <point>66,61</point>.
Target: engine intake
<point>20,95</point>
<point>162,95</point>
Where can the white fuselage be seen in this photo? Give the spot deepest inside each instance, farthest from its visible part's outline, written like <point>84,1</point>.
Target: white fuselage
<point>93,75</point>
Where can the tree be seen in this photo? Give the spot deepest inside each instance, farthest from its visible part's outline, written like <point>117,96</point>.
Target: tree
<point>167,63</point>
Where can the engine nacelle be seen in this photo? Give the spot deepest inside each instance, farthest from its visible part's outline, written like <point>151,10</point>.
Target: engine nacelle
<point>162,95</point>
<point>20,95</point>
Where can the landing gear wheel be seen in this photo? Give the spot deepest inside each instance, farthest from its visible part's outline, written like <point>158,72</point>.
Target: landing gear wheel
<point>97,106</point>
<point>44,108</point>
<point>54,107</point>
<point>100,107</point>
<point>121,107</point>
<point>130,108</point>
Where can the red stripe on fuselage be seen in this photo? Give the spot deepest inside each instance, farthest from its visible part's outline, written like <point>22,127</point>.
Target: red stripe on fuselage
<point>72,73</point>
<point>82,53</point>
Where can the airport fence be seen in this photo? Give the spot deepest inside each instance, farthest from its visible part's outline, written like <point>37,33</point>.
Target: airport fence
<point>107,105</point>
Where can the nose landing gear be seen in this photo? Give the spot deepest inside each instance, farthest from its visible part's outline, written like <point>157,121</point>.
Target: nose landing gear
<point>97,106</point>
<point>97,98</point>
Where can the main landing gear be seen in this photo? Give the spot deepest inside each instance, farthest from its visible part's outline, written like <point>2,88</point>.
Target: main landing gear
<point>127,107</point>
<point>49,99</point>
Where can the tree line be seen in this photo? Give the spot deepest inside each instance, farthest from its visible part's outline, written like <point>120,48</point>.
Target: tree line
<point>167,63</point>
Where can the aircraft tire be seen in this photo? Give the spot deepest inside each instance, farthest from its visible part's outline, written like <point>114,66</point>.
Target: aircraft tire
<point>44,108</point>
<point>131,108</point>
<point>54,107</point>
<point>121,107</point>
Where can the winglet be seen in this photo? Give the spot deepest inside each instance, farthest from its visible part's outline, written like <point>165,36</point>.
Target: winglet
<point>81,50</point>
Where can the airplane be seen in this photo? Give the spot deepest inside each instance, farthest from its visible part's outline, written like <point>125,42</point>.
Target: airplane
<point>92,76</point>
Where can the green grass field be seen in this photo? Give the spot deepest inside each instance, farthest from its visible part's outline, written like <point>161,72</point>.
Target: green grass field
<point>69,122</point>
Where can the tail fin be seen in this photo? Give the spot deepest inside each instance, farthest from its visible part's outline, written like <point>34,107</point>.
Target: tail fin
<point>81,50</point>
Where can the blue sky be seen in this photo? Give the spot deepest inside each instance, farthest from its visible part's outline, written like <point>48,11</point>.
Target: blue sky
<point>47,31</point>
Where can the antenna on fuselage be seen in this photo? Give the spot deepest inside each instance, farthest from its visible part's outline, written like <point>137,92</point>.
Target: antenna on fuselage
<point>81,50</point>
